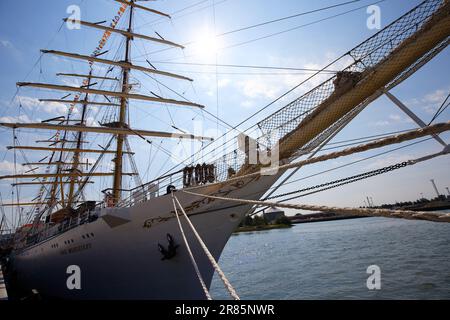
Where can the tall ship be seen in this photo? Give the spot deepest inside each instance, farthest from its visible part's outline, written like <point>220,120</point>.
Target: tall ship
<point>133,242</point>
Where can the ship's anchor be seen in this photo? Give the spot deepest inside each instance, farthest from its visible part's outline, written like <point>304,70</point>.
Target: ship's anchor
<point>171,250</point>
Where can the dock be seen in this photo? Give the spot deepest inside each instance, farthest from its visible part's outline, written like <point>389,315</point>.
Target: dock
<point>3,293</point>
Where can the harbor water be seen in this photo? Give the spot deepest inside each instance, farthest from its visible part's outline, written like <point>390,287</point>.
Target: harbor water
<point>329,260</point>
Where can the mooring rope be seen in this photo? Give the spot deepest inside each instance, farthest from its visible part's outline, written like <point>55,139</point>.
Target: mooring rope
<point>194,263</point>
<point>213,261</point>
<point>370,212</point>
<point>429,130</point>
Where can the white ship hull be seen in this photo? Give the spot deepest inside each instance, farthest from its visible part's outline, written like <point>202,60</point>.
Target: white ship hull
<point>123,262</point>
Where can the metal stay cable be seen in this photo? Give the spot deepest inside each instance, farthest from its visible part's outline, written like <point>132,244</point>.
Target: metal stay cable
<point>297,27</point>
<point>440,109</point>
<point>160,147</point>
<point>259,111</point>
<point>269,104</point>
<point>370,212</point>
<point>357,161</point>
<point>184,98</point>
<point>213,261</point>
<point>288,17</point>
<point>194,263</point>
<point>348,180</point>
<point>336,183</point>
<point>244,67</point>
<point>266,23</point>
<point>414,134</point>
<point>281,96</point>
<point>343,181</point>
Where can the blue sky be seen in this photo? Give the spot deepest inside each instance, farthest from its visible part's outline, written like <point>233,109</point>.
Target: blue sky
<point>231,94</point>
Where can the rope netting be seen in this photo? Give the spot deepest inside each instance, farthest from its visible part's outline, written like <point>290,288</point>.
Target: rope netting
<point>394,139</point>
<point>366,56</point>
<point>345,119</point>
<point>369,70</point>
<point>362,62</point>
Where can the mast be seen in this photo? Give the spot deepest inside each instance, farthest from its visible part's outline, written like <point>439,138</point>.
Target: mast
<point>68,172</point>
<point>59,168</point>
<point>53,183</point>
<point>76,155</point>
<point>117,184</point>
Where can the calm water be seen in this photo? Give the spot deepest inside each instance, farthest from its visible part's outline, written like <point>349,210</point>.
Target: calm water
<point>328,260</point>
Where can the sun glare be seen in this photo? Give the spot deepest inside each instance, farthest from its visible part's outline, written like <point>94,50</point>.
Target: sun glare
<point>206,44</point>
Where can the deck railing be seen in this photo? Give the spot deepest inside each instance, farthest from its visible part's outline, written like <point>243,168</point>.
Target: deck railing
<point>59,228</point>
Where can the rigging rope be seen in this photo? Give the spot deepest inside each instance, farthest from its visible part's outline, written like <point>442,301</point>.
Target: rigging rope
<point>440,109</point>
<point>174,15</point>
<point>311,155</point>
<point>434,129</point>
<point>277,33</point>
<point>288,17</point>
<point>185,99</point>
<point>254,114</point>
<point>213,261</point>
<point>344,181</point>
<point>357,161</point>
<point>194,263</point>
<point>16,224</point>
<point>348,180</point>
<point>245,66</point>
<point>279,98</point>
<point>136,177</point>
<point>270,22</point>
<point>369,212</point>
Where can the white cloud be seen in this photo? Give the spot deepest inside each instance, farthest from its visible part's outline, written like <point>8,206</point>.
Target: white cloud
<point>381,123</point>
<point>59,59</point>
<point>13,119</point>
<point>273,86</point>
<point>99,68</point>
<point>7,168</point>
<point>91,122</point>
<point>431,101</point>
<point>436,97</point>
<point>71,82</point>
<point>55,108</point>
<point>389,160</point>
<point>222,83</point>
<point>392,119</point>
<point>6,44</point>
<point>259,87</point>
<point>247,104</point>
<point>11,49</point>
<point>395,117</point>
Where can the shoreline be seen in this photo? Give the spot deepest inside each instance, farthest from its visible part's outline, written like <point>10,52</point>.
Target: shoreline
<point>321,219</point>
<point>261,228</point>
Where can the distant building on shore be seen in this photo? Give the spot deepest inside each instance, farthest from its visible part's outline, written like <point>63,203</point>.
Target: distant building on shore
<point>272,214</point>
